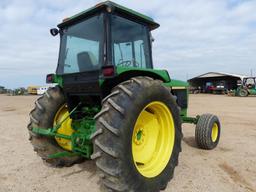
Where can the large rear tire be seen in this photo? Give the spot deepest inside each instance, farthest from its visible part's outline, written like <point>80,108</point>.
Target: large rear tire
<point>243,93</point>
<point>43,115</point>
<point>138,137</point>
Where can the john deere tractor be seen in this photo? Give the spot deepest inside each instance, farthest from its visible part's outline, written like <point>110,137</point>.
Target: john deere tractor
<point>248,87</point>
<point>110,105</point>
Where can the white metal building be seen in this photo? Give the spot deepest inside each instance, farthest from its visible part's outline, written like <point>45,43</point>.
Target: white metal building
<point>227,81</point>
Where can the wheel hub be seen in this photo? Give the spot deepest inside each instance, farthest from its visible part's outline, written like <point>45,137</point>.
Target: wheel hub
<point>140,136</point>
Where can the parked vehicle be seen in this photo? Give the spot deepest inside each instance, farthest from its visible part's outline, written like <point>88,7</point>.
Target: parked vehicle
<point>42,90</point>
<point>247,88</point>
<point>111,105</point>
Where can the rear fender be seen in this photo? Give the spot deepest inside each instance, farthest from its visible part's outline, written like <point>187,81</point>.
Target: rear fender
<point>123,74</point>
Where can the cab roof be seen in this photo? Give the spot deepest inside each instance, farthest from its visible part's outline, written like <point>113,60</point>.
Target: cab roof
<point>111,7</point>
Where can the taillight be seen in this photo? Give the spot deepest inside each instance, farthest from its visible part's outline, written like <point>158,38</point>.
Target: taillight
<point>108,71</point>
<point>50,78</point>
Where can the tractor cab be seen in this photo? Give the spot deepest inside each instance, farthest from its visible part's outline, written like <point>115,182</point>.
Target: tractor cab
<point>94,43</point>
<point>101,47</point>
<point>249,82</point>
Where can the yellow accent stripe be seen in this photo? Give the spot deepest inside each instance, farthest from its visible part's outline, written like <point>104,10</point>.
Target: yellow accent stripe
<point>178,87</point>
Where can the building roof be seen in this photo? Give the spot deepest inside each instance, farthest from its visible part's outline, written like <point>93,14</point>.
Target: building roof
<point>109,5</point>
<point>217,74</point>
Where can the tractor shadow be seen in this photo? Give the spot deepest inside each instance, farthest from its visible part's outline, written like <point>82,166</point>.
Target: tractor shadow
<point>86,166</point>
<point>190,141</point>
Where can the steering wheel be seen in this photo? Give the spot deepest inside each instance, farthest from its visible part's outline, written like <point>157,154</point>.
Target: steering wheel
<point>128,63</point>
<point>249,86</point>
<point>136,63</point>
<point>124,63</point>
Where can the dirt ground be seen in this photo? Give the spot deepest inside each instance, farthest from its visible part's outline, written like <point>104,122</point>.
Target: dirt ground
<point>231,167</point>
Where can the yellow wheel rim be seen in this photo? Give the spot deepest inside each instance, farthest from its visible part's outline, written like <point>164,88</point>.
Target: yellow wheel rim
<point>215,132</point>
<point>153,139</point>
<point>65,128</point>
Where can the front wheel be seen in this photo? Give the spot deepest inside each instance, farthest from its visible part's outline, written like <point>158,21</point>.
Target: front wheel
<point>207,132</point>
<point>139,137</point>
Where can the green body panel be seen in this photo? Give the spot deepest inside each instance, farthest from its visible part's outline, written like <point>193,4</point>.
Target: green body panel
<point>252,91</point>
<point>58,79</point>
<point>177,83</point>
<point>183,112</point>
<point>161,73</point>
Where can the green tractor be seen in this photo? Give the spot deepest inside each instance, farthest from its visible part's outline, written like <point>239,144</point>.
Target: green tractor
<point>110,105</point>
<point>248,87</point>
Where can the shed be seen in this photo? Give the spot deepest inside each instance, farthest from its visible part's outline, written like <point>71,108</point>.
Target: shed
<point>215,82</point>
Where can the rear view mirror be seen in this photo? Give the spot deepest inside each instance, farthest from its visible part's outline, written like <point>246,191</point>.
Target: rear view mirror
<point>54,31</point>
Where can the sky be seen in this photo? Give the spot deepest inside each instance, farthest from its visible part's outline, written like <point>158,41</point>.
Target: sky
<point>194,37</point>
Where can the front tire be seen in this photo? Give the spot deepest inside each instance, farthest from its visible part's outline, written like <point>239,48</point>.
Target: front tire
<point>124,159</point>
<point>43,116</point>
<point>207,132</point>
